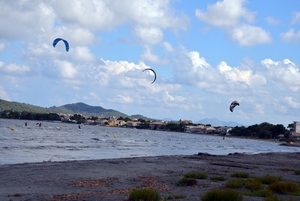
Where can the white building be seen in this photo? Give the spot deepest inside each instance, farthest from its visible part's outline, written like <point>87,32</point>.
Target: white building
<point>297,126</point>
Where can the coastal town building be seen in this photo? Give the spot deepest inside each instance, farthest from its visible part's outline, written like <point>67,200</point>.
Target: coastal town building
<point>297,126</point>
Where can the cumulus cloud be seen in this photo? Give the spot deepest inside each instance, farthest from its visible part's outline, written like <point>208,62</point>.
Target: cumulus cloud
<point>236,20</point>
<point>66,69</point>
<point>149,56</point>
<point>71,19</point>
<point>284,73</point>
<point>290,36</point>
<point>237,75</point>
<point>14,69</point>
<point>83,54</point>
<point>148,17</point>
<point>294,104</point>
<point>149,35</point>
<point>247,35</point>
<point>194,70</point>
<point>226,13</point>
<point>191,69</point>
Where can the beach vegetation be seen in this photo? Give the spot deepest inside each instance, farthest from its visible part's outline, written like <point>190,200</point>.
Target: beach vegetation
<point>145,194</point>
<point>284,187</point>
<point>218,178</point>
<point>172,197</point>
<point>258,193</point>
<point>226,170</point>
<point>189,178</point>
<point>196,175</point>
<point>286,169</point>
<point>268,179</point>
<point>253,184</point>
<point>297,172</point>
<point>235,183</point>
<point>18,195</point>
<point>222,195</point>
<point>276,198</point>
<point>240,174</point>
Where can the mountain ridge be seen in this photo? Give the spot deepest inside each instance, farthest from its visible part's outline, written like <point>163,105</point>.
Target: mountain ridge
<point>72,108</point>
<point>85,109</point>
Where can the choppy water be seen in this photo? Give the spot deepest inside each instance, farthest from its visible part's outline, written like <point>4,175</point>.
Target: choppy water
<point>60,142</point>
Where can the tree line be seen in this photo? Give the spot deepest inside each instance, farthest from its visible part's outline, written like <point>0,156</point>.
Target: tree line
<point>8,114</point>
<point>263,131</point>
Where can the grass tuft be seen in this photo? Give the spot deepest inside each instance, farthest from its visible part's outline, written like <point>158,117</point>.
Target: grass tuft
<point>187,182</point>
<point>240,174</point>
<point>222,195</point>
<point>253,184</point>
<point>144,195</point>
<point>284,188</point>
<point>268,179</point>
<point>218,178</point>
<point>297,172</point>
<point>196,175</point>
<point>171,197</point>
<point>18,195</point>
<point>235,183</point>
<point>275,198</point>
<point>259,193</point>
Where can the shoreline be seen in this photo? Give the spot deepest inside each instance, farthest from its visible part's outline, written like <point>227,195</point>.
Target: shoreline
<point>279,143</point>
<point>112,179</point>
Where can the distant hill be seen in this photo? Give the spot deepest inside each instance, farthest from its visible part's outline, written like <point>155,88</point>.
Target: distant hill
<point>20,107</point>
<point>82,108</point>
<point>217,122</point>
<point>138,116</point>
<point>74,108</point>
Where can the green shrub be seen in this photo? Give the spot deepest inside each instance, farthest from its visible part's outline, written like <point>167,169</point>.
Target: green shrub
<point>284,188</point>
<point>187,182</point>
<point>235,183</point>
<point>218,178</point>
<point>226,170</point>
<point>275,198</point>
<point>253,184</point>
<point>240,174</point>
<point>144,195</point>
<point>259,193</point>
<point>171,197</point>
<point>268,179</point>
<point>286,169</point>
<point>18,195</point>
<point>222,195</point>
<point>297,172</point>
<point>196,175</point>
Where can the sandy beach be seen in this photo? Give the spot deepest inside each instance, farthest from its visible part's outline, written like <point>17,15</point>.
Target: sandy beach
<point>112,179</point>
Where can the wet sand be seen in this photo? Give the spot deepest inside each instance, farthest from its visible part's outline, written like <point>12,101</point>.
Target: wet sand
<point>113,179</point>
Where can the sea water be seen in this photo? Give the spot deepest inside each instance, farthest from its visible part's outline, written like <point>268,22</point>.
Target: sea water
<point>57,141</point>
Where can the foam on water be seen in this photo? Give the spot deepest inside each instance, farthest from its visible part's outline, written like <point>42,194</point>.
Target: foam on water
<point>55,141</point>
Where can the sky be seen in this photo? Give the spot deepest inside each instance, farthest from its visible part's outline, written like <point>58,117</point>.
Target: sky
<point>205,53</point>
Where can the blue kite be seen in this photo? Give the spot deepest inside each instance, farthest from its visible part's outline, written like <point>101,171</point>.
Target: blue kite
<point>59,39</point>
